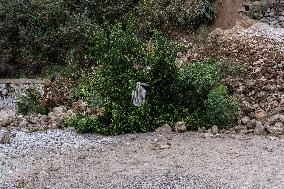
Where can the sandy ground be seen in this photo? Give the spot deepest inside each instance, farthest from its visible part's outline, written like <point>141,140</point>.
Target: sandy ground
<point>136,161</point>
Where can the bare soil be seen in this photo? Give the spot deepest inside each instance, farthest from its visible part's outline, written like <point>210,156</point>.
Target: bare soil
<point>227,15</point>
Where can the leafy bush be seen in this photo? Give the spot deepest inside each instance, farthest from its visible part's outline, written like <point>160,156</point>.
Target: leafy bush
<point>35,34</point>
<point>173,94</point>
<point>220,108</point>
<point>81,122</point>
<point>29,103</point>
<point>55,93</point>
<point>42,32</point>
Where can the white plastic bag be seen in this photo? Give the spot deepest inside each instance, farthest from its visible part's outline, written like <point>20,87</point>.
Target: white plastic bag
<point>139,94</point>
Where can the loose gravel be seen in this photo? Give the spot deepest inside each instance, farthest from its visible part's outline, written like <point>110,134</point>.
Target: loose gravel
<point>59,159</point>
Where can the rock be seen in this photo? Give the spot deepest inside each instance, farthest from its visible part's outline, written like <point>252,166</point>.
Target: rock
<point>161,146</point>
<point>164,129</point>
<point>260,114</point>
<point>275,130</point>
<point>54,125</point>
<point>59,111</point>
<point>259,129</point>
<point>23,123</point>
<point>51,114</point>
<point>274,119</point>
<point>214,130</point>
<point>207,135</point>
<point>44,119</point>
<point>279,124</point>
<point>247,131</point>
<point>6,122</point>
<point>281,117</point>
<point>239,128</point>
<point>245,120</point>
<point>251,124</point>
<point>5,138</point>
<point>202,130</point>
<point>70,129</point>
<point>180,127</point>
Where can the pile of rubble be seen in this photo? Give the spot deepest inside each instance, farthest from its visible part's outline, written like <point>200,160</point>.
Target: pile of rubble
<point>260,49</point>
<point>34,122</point>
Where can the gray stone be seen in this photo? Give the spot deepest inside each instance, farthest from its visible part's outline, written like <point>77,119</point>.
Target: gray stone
<point>164,129</point>
<point>59,111</point>
<point>180,127</point>
<point>239,128</point>
<point>214,130</point>
<point>279,125</point>
<point>6,122</point>
<point>202,130</point>
<point>23,123</point>
<point>245,120</point>
<point>5,138</point>
<point>260,128</point>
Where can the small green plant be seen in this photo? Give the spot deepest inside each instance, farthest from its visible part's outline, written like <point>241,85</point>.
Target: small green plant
<point>81,122</point>
<point>220,108</point>
<point>29,103</point>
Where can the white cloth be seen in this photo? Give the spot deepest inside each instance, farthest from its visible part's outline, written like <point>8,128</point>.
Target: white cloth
<point>139,94</point>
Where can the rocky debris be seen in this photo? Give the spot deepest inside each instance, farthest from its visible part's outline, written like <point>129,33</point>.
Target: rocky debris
<point>179,127</point>
<point>269,12</point>
<point>202,130</point>
<point>36,121</point>
<point>6,117</point>
<point>275,130</point>
<point>260,50</point>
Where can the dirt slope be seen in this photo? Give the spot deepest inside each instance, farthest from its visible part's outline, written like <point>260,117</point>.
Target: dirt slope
<point>227,15</point>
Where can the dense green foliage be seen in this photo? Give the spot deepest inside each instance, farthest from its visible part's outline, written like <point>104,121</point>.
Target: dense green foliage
<point>35,34</point>
<point>92,56</point>
<point>192,93</point>
<point>220,108</point>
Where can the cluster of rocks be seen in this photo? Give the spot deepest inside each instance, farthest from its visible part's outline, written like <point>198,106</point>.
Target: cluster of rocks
<point>9,118</point>
<point>260,49</point>
<point>270,11</point>
<point>34,122</point>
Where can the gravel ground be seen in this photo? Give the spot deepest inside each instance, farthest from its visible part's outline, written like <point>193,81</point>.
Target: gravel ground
<point>64,159</point>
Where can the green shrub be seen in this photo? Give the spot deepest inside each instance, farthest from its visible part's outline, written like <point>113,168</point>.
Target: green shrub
<point>174,94</point>
<point>40,33</point>
<point>35,34</point>
<point>197,79</point>
<point>220,108</point>
<point>29,103</point>
<point>81,122</point>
